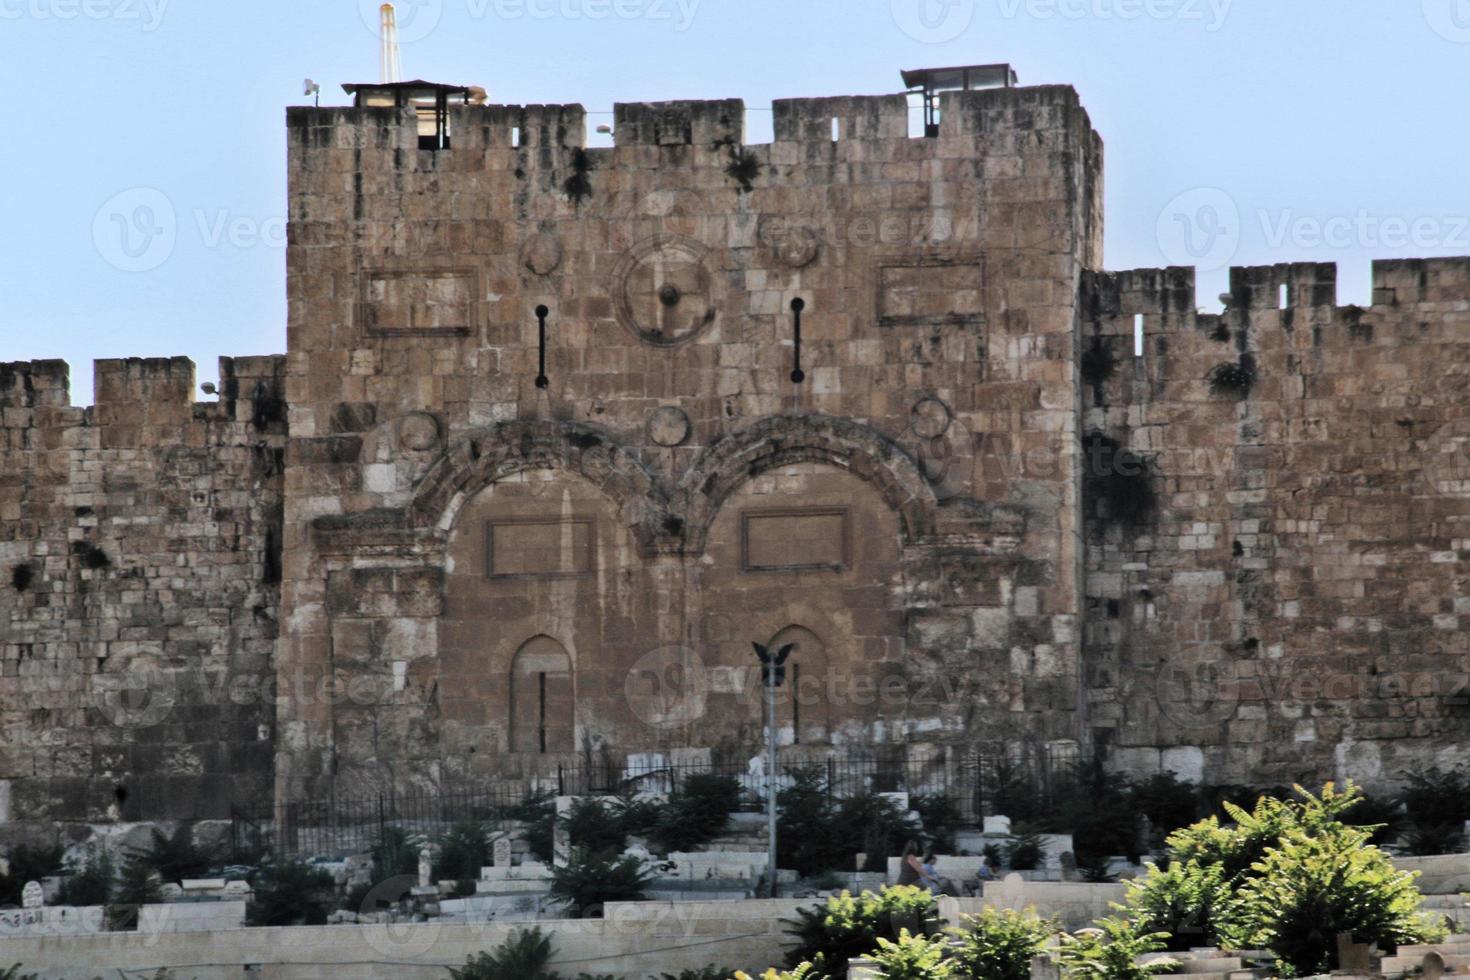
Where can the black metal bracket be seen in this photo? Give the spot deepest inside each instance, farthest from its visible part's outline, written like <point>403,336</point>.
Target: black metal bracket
<point>541,314</point>
<point>797,305</point>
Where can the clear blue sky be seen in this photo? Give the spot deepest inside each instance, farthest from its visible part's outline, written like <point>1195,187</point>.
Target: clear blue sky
<point>1335,129</point>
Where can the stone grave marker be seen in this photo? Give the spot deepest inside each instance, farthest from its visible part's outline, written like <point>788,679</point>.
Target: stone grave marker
<point>32,897</point>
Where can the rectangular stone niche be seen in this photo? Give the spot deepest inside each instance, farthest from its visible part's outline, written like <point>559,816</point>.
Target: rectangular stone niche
<point>931,291</point>
<point>417,302</point>
<point>795,540</point>
<point>540,548</point>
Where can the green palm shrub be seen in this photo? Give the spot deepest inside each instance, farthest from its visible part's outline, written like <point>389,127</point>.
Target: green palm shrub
<point>290,894</point>
<point>999,944</point>
<point>1311,888</point>
<point>464,849</point>
<point>848,927</point>
<point>175,857</point>
<point>911,957</point>
<point>138,885</point>
<point>590,880</point>
<point>708,973</point>
<point>1111,952</point>
<point>524,956</point>
<point>595,826</point>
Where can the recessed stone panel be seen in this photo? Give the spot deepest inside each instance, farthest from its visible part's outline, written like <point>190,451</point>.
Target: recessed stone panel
<point>793,540</point>
<point>533,548</point>
<point>931,292</point>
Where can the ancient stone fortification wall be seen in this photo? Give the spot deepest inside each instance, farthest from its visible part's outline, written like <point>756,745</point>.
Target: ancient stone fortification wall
<point>514,577</point>
<point>140,549</point>
<point>1293,605</point>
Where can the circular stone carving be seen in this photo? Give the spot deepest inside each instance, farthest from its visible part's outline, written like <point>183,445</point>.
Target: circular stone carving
<point>668,427</point>
<point>596,462</point>
<point>418,432</point>
<point>663,290</point>
<point>542,254</point>
<point>797,248</point>
<point>930,418</point>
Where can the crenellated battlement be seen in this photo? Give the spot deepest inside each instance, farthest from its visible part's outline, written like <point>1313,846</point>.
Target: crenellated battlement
<point>146,393</point>
<point>971,115</point>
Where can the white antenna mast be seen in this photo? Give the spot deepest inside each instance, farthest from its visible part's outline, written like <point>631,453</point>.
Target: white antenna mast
<point>392,69</point>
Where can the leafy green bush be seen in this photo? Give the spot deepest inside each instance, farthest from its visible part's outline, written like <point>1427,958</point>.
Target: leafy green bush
<point>464,849</point>
<point>803,972</point>
<point>1111,952</point>
<point>1182,901</point>
<point>27,864</point>
<point>848,927</point>
<point>396,854</point>
<point>1437,804</point>
<point>940,818</point>
<point>13,972</point>
<point>1288,875</point>
<point>91,883</point>
<point>818,833</point>
<point>708,973</point>
<point>999,945</point>
<point>595,826</point>
<point>697,813</point>
<point>591,879</point>
<point>639,816</point>
<point>538,813</point>
<point>1312,887</point>
<point>1168,802</point>
<point>911,957</point>
<point>138,885</point>
<point>290,894</point>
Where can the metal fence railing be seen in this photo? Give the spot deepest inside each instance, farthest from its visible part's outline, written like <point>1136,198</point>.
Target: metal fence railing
<point>335,825</point>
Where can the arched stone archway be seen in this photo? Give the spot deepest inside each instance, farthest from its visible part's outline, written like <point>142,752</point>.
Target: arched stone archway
<point>492,455</point>
<point>783,440</point>
<point>542,709</point>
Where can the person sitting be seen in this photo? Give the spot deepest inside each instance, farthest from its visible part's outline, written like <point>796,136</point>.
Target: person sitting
<point>937,883</point>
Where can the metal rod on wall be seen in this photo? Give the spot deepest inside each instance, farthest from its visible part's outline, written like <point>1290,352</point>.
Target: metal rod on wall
<point>797,305</point>
<point>541,314</point>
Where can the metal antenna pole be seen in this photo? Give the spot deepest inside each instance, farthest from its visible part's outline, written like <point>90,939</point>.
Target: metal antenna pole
<point>771,784</point>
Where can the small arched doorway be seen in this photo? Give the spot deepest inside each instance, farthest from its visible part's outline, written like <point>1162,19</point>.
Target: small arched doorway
<point>802,706</point>
<point>542,700</point>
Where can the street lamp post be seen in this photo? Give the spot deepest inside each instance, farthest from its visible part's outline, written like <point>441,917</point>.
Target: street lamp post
<point>773,675</point>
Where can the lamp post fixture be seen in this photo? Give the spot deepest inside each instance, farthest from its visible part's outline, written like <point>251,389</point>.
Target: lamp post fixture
<point>773,675</point>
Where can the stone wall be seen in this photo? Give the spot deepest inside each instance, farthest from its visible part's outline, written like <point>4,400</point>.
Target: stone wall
<point>671,495</point>
<point>140,549</point>
<point>1291,604</point>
